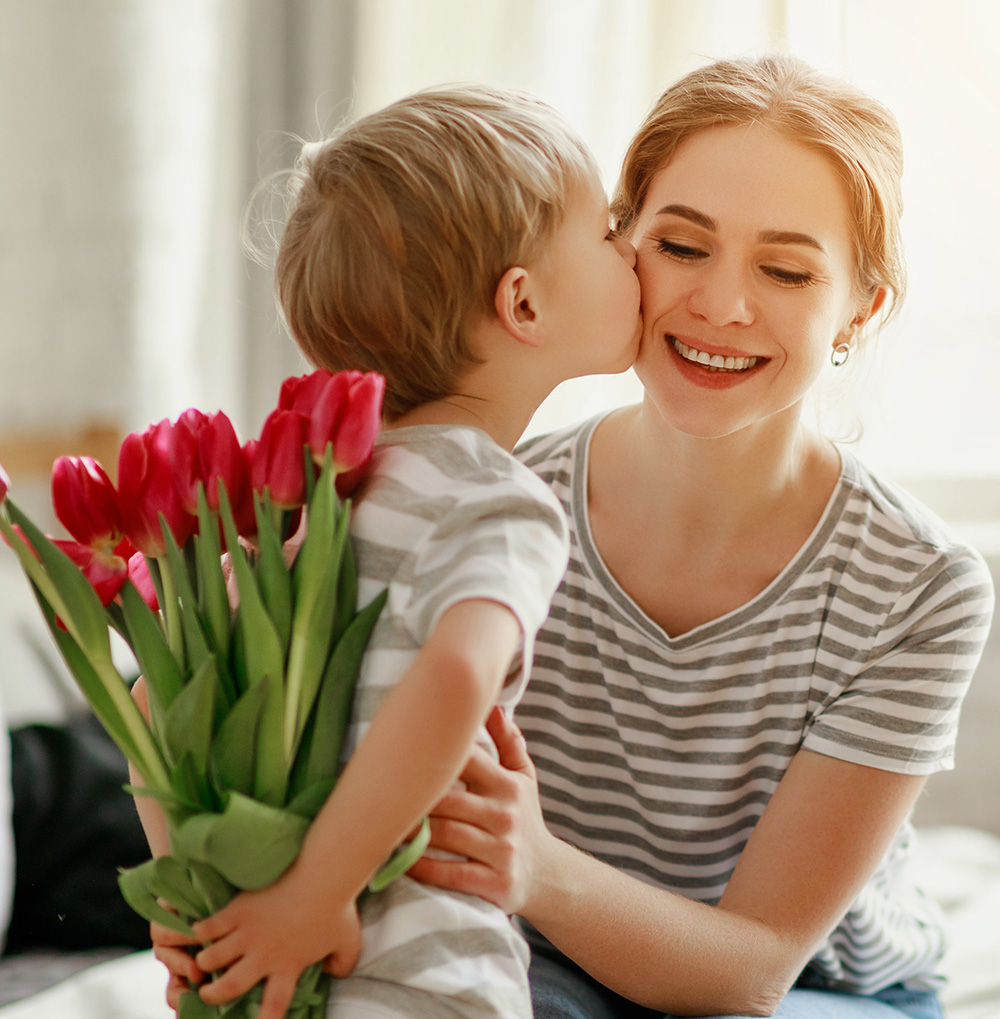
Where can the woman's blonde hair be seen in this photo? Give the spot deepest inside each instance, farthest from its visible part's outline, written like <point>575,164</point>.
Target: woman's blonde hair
<point>401,225</point>
<point>856,133</point>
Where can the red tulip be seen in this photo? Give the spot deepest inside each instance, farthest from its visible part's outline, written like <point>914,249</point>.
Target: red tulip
<point>85,501</point>
<point>107,571</point>
<point>138,573</point>
<point>4,483</point>
<point>344,409</point>
<point>205,449</point>
<point>277,458</point>
<point>147,488</point>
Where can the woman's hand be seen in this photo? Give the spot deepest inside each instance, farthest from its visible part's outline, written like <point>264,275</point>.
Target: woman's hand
<point>495,824</point>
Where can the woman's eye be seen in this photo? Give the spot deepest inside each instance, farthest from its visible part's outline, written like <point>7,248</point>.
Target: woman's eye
<point>788,277</point>
<point>682,252</point>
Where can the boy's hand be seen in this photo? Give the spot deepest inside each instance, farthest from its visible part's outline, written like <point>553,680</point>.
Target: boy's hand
<point>170,948</point>
<point>273,935</point>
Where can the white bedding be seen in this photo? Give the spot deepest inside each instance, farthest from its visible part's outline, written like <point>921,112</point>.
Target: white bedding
<point>960,866</point>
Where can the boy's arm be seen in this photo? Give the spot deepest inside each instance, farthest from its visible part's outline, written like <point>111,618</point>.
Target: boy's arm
<point>415,748</point>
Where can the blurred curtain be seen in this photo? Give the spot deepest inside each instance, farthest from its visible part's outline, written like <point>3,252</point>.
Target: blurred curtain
<point>132,133</point>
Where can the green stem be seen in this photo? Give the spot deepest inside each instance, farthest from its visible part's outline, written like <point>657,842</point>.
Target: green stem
<point>171,611</point>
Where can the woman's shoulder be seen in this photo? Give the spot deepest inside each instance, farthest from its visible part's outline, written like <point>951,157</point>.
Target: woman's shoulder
<point>559,451</point>
<point>900,530</point>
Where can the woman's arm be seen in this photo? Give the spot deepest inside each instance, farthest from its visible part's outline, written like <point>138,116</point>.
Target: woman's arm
<point>817,843</point>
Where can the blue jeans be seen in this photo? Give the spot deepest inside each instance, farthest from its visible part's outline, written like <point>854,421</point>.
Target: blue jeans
<point>560,990</point>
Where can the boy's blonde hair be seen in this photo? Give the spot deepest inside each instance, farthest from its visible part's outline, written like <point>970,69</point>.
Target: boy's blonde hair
<point>401,225</point>
<point>855,132</point>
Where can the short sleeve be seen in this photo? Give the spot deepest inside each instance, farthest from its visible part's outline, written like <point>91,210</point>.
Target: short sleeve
<point>900,711</point>
<point>507,542</point>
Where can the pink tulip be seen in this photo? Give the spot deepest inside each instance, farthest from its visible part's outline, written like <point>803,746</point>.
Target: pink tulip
<point>277,458</point>
<point>147,488</point>
<point>85,501</point>
<point>107,571</point>
<point>4,483</point>
<point>138,573</point>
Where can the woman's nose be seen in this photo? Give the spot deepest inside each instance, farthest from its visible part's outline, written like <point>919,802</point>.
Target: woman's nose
<point>721,297</point>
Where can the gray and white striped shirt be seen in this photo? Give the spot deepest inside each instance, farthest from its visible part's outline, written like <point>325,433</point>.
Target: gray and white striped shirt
<point>445,515</point>
<point>659,754</point>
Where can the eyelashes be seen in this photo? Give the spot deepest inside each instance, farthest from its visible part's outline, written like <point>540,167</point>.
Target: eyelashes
<point>686,253</point>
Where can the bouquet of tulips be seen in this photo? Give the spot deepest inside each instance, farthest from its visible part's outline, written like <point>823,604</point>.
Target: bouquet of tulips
<point>248,705</point>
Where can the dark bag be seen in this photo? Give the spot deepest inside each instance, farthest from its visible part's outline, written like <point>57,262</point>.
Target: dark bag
<point>74,826</point>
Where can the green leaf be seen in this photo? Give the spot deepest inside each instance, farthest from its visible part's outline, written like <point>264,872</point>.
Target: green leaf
<point>250,844</point>
<point>333,706</point>
<point>213,888</point>
<point>192,1007</point>
<point>273,574</point>
<point>164,679</point>
<point>189,722</point>
<point>347,581</point>
<point>403,859</point>
<point>190,784</point>
<point>263,654</point>
<point>171,881</point>
<point>315,579</point>
<point>111,702</point>
<point>213,601</point>
<point>308,802</point>
<point>134,883</point>
<point>234,747</point>
<point>195,642</point>
<point>74,600</point>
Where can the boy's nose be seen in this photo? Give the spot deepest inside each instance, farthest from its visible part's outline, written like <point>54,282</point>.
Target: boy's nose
<point>626,250</point>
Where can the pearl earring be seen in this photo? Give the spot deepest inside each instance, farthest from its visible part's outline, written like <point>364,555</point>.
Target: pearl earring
<point>840,354</point>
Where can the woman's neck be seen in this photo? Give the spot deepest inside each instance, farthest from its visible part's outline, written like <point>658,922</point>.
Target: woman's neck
<point>721,518</point>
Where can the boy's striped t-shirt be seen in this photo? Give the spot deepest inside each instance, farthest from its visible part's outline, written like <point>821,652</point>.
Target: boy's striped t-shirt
<point>659,754</point>
<point>444,515</point>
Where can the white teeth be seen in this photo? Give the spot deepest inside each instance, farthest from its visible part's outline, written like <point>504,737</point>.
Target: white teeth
<point>715,362</point>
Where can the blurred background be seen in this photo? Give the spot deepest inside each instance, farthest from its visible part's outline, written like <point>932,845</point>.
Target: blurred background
<point>133,132</point>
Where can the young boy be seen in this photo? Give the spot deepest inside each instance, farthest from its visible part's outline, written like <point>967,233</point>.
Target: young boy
<point>458,243</point>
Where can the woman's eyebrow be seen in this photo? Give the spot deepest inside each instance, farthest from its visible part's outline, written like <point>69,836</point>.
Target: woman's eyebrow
<point>686,212</point>
<point>764,237</point>
<point>789,237</point>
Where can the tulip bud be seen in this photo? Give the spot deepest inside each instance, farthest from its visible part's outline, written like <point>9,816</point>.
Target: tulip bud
<point>85,501</point>
<point>277,458</point>
<point>147,488</point>
<point>138,573</point>
<point>107,572</point>
<point>360,423</point>
<point>4,483</point>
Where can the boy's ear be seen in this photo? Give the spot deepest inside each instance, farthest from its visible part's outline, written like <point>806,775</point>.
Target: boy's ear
<point>516,303</point>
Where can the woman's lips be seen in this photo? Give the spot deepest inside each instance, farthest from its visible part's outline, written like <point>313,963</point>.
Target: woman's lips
<point>711,369</point>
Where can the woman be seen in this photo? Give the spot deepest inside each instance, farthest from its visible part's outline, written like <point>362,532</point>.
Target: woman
<point>759,650</point>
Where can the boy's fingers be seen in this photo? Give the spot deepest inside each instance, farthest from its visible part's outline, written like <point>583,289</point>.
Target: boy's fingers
<point>218,955</point>
<point>179,962</point>
<point>509,742</point>
<point>237,980</point>
<point>161,935</point>
<point>278,992</point>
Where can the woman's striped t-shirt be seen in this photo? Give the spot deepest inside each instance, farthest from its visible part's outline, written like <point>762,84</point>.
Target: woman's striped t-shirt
<point>659,754</point>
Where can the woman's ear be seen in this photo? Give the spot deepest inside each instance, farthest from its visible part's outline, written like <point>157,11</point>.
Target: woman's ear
<point>516,303</point>
<point>864,313</point>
